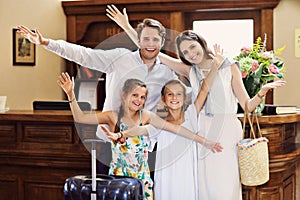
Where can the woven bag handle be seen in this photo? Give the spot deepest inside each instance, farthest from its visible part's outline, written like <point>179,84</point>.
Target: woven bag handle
<point>247,116</point>
<point>257,123</point>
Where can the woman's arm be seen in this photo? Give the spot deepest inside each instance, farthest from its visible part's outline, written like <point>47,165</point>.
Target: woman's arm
<point>241,93</point>
<point>65,82</point>
<point>175,64</point>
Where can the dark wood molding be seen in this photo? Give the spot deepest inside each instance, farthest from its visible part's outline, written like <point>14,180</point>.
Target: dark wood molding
<point>98,7</point>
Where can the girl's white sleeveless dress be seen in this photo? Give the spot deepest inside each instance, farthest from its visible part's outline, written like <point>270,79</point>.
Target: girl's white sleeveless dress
<point>175,175</point>
<point>218,173</point>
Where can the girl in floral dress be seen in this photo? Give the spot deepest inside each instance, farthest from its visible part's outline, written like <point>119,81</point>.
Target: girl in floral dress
<point>130,158</point>
<point>130,155</point>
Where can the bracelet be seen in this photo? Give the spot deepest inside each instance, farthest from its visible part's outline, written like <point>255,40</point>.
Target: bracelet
<point>120,138</point>
<point>72,100</point>
<point>121,133</point>
<point>260,96</point>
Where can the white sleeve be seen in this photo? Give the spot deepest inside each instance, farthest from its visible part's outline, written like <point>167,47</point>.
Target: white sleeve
<point>96,59</point>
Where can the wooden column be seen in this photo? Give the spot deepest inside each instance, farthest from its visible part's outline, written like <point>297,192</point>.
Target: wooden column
<point>267,28</point>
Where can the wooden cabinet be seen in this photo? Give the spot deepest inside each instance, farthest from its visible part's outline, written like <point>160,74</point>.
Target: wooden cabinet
<point>38,151</point>
<point>284,155</point>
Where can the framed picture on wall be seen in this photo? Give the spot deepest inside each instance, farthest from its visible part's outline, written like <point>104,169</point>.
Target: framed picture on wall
<point>23,50</point>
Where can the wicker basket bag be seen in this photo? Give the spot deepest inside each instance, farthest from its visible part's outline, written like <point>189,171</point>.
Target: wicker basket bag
<point>253,155</point>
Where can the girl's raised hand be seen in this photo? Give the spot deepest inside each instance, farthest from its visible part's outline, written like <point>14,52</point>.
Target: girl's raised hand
<point>65,82</point>
<point>213,146</point>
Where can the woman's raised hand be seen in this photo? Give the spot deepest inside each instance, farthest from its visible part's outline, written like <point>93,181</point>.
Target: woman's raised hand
<point>217,57</point>
<point>34,37</point>
<point>265,88</point>
<point>65,82</point>
<point>120,18</point>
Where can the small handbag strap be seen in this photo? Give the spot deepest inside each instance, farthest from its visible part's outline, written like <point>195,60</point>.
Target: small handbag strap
<point>247,116</point>
<point>257,123</point>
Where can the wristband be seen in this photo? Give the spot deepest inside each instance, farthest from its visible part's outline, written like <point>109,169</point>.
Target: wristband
<point>72,100</point>
<point>260,96</point>
<point>120,139</point>
<point>121,133</point>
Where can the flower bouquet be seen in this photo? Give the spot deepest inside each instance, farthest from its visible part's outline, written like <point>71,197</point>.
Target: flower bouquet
<point>259,66</point>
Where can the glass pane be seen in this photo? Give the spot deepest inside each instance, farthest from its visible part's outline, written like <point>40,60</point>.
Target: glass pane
<point>232,35</point>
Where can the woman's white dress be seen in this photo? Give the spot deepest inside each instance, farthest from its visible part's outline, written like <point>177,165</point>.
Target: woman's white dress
<point>218,173</point>
<point>175,175</point>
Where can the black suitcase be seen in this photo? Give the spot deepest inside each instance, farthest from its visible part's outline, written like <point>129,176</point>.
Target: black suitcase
<point>107,188</point>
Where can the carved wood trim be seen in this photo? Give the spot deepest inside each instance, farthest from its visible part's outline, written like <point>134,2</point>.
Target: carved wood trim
<point>98,6</point>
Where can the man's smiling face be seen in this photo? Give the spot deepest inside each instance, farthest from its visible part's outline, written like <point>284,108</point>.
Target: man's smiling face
<point>150,44</point>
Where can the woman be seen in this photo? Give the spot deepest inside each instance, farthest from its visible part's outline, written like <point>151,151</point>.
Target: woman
<point>130,156</point>
<point>218,173</point>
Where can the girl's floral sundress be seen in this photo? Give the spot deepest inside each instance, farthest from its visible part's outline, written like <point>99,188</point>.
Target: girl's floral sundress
<point>131,159</point>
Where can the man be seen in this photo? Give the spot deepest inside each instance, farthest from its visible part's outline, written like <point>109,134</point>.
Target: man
<point>119,64</point>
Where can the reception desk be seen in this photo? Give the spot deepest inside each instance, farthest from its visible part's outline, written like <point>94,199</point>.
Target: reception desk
<point>40,149</point>
<point>284,159</point>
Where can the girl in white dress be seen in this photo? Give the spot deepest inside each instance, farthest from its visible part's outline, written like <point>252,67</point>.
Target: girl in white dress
<point>175,175</point>
<point>218,174</point>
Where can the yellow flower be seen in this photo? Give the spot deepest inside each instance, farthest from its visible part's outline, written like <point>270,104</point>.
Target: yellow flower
<point>117,171</point>
<point>134,175</point>
<point>135,140</point>
<point>124,149</point>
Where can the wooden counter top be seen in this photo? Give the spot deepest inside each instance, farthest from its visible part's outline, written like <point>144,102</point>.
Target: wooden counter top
<point>40,115</point>
<point>276,119</point>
